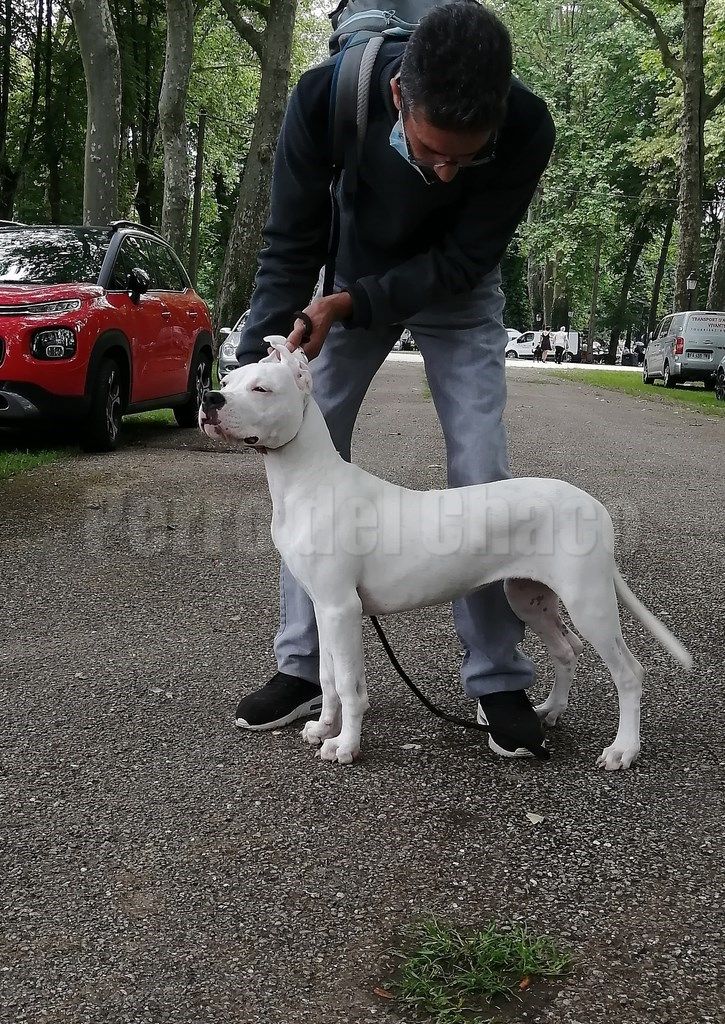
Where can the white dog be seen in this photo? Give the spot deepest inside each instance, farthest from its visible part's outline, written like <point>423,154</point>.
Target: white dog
<point>360,545</point>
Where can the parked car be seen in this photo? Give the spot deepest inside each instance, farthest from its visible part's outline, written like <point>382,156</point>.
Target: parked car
<point>228,349</point>
<point>686,347</point>
<point>524,345</point>
<point>513,334</point>
<point>96,323</point>
<point>720,381</point>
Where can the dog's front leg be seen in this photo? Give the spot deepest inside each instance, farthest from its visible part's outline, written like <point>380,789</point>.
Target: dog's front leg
<point>340,633</point>
<point>329,721</point>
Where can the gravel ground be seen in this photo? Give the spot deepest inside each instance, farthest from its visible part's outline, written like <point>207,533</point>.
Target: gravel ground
<point>161,866</point>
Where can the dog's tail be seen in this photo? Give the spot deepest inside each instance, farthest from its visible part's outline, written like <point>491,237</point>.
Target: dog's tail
<point>658,629</point>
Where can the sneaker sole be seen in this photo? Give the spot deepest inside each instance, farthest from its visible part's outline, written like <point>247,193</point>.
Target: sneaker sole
<point>493,745</point>
<point>312,707</point>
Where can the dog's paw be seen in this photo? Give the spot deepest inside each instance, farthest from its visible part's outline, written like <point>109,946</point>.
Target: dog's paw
<point>613,758</point>
<point>334,749</point>
<point>548,715</point>
<point>315,732</point>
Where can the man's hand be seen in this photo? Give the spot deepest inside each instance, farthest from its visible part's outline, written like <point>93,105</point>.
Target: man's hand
<point>323,313</point>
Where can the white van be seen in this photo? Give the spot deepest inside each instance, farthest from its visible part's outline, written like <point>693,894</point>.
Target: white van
<point>686,346</point>
<point>524,346</point>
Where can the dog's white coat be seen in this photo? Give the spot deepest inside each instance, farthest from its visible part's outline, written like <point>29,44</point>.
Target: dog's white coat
<point>360,545</point>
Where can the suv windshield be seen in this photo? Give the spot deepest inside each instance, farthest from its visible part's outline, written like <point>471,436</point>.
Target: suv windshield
<point>52,255</point>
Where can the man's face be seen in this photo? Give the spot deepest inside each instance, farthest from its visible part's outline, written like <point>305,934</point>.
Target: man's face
<point>442,152</point>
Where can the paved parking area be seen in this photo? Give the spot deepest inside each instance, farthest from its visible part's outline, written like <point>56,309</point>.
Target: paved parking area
<point>160,866</point>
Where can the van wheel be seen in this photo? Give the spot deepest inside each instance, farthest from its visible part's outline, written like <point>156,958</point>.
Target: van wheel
<point>102,427</point>
<point>187,415</point>
<point>720,387</point>
<point>667,379</point>
<point>646,377</point>
<point>512,354</point>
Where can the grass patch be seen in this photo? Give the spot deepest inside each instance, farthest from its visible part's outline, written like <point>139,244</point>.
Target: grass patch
<point>451,977</point>
<point>16,460</point>
<point>632,384</point>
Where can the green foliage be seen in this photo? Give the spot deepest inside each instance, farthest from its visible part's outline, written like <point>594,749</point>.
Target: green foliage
<point>692,396</point>
<point>449,976</point>
<point>615,106</point>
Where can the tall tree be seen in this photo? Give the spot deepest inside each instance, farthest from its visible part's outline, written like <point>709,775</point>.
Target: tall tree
<point>716,291</point>
<point>697,106</point>
<point>11,170</point>
<point>172,117</point>
<point>273,48</point>
<point>102,67</point>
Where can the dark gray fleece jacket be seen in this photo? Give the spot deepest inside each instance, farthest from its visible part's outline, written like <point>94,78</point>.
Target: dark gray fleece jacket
<point>404,244</point>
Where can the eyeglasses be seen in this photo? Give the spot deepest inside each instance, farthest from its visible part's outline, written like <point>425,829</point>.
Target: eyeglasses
<point>484,156</point>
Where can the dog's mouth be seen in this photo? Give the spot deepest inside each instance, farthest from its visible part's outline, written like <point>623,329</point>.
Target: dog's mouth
<point>209,425</point>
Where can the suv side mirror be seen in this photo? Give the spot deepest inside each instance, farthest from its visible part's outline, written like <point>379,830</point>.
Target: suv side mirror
<point>224,332</point>
<point>137,283</point>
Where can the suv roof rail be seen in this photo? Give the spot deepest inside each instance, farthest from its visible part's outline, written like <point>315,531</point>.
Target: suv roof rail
<point>116,225</point>
<point>12,224</point>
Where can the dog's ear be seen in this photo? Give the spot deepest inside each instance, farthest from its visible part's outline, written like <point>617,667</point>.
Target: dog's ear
<point>275,344</point>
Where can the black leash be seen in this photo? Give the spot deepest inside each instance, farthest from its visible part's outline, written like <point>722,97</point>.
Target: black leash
<point>541,753</point>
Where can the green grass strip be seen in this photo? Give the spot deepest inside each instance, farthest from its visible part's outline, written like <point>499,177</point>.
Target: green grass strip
<point>632,384</point>
<point>16,461</point>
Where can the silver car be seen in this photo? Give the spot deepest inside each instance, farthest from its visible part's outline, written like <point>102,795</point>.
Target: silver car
<point>228,348</point>
<point>686,347</point>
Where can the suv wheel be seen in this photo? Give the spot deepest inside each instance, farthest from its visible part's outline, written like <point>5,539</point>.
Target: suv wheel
<point>187,415</point>
<point>647,378</point>
<point>103,425</point>
<point>667,379</point>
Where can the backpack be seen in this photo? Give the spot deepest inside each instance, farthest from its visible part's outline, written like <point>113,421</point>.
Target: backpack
<point>359,30</point>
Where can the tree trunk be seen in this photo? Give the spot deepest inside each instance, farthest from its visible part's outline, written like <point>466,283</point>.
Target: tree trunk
<point>691,153</point>
<point>50,146</point>
<point>172,117</point>
<point>716,291</point>
<point>619,315</point>
<point>659,274</point>
<point>102,67</point>
<point>240,258</point>
<point>595,295</point>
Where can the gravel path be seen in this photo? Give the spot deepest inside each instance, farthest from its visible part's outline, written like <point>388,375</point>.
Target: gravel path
<point>161,866</point>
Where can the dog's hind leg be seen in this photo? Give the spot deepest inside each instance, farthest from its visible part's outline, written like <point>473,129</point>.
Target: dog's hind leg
<point>592,605</point>
<point>538,607</point>
<point>340,631</point>
<point>329,721</point>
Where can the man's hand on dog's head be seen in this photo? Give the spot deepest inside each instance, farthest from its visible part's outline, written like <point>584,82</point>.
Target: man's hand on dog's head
<point>323,313</point>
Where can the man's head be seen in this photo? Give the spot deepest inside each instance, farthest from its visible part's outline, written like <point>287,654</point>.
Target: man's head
<point>453,84</point>
<point>262,404</point>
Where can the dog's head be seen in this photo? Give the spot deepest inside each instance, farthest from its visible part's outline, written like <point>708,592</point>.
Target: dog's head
<point>262,404</point>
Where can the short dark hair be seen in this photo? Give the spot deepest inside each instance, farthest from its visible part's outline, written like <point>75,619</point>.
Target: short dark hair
<point>457,67</point>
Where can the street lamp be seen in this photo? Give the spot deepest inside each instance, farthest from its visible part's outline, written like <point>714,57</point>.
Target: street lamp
<point>691,286</point>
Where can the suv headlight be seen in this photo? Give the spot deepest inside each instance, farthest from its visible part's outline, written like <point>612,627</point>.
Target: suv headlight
<point>44,308</point>
<point>229,350</point>
<point>56,343</point>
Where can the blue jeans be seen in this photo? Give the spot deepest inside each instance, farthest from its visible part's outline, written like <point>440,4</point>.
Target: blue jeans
<point>462,342</point>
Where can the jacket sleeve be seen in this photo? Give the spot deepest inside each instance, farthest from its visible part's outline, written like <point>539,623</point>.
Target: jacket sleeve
<point>484,225</point>
<point>297,232</point>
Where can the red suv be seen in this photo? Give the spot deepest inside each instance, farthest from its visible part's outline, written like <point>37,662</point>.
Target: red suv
<point>96,323</point>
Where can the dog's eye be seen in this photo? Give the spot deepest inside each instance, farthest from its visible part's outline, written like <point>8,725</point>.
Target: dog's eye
<point>265,391</point>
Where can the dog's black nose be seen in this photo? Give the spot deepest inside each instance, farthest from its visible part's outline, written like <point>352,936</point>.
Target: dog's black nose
<point>212,400</point>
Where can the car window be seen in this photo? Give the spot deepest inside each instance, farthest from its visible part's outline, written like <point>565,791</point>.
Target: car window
<point>52,255</point>
<point>665,327</point>
<point>133,255</point>
<point>169,275</point>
